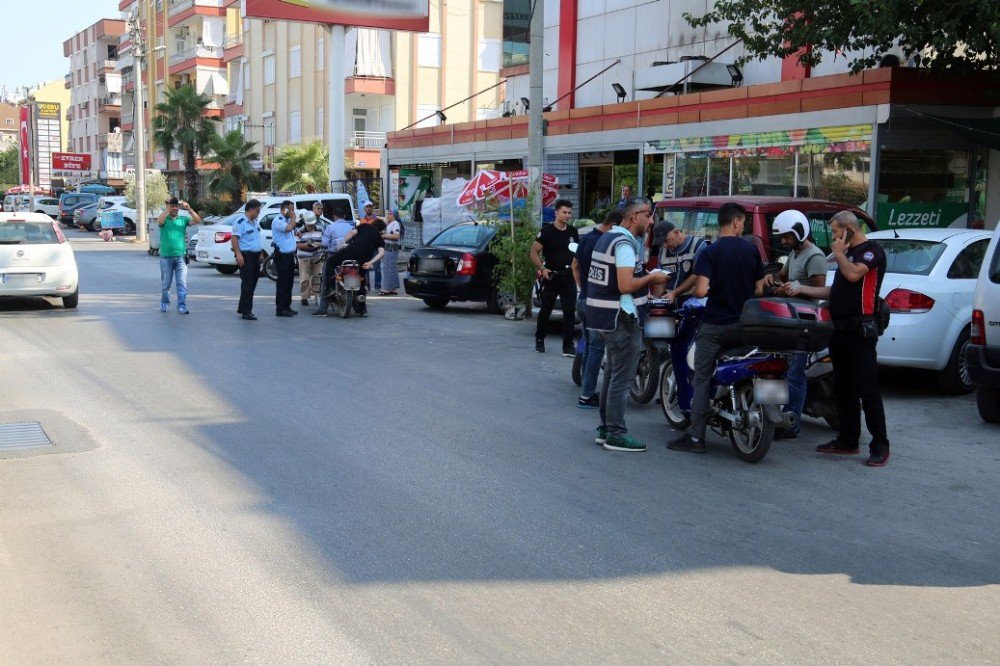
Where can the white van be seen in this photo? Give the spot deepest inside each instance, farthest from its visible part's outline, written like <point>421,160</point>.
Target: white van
<point>984,351</point>
<point>215,240</point>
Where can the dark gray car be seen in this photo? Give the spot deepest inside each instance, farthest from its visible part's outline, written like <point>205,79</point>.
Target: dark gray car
<point>87,217</point>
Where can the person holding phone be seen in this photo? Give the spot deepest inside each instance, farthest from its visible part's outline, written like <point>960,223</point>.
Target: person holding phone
<point>853,306</point>
<point>173,251</point>
<point>283,237</point>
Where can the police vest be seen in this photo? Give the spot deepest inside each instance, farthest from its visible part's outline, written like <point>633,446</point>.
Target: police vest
<point>603,295</point>
<point>680,264</point>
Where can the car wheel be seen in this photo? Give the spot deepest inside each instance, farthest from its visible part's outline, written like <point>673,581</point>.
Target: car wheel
<point>436,303</point>
<point>224,269</point>
<point>955,377</point>
<point>129,229</point>
<point>493,302</point>
<point>988,402</point>
<point>70,302</point>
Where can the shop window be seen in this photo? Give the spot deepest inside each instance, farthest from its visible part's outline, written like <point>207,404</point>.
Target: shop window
<point>840,177</point>
<point>923,188</point>
<point>764,175</point>
<point>968,262</point>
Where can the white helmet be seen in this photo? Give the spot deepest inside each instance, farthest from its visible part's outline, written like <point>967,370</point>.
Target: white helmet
<point>791,222</point>
<point>309,218</point>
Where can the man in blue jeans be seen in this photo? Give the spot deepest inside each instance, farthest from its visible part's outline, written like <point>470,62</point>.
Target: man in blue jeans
<point>593,351</point>
<point>173,247</point>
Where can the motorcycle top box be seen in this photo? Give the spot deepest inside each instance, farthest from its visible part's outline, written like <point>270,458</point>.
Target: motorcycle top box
<point>786,324</point>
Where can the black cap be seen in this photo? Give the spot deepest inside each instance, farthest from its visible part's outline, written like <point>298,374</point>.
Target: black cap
<point>173,201</point>
<point>661,230</point>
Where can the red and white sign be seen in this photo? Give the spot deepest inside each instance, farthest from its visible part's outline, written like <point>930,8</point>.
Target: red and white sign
<point>25,145</point>
<point>70,161</point>
<point>412,15</point>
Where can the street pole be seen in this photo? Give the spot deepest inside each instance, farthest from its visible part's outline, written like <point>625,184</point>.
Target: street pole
<point>536,148</point>
<point>139,129</point>
<point>32,166</point>
<point>335,63</point>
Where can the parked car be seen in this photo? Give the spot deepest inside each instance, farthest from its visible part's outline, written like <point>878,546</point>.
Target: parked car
<point>984,349</point>
<point>215,240</point>
<point>117,203</point>
<point>85,217</point>
<point>70,201</point>
<point>47,205</point>
<point>456,265</point>
<point>35,259</point>
<point>192,244</point>
<point>929,285</point>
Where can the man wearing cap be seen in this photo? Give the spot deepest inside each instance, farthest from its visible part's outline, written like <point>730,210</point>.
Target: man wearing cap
<point>310,261</point>
<point>247,249</point>
<point>678,253</point>
<point>173,248</point>
<point>283,237</point>
<point>375,274</point>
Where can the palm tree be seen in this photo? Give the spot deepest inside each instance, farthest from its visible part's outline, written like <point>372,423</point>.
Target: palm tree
<point>180,124</point>
<point>235,173</point>
<point>302,167</point>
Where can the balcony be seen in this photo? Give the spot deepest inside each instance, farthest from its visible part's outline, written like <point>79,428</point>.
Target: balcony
<point>369,85</point>
<point>366,140</point>
<point>107,65</point>
<point>233,47</point>
<point>176,7</point>
<point>182,10</point>
<point>193,53</point>
<point>69,82</point>
<point>109,103</point>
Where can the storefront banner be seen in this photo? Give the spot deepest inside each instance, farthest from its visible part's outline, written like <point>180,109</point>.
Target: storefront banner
<point>906,214</point>
<point>846,138</point>
<point>414,184</point>
<point>71,161</point>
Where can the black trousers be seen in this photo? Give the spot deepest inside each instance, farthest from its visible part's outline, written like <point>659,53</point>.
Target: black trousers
<point>248,281</point>
<point>330,270</point>
<point>563,285</point>
<point>855,371</point>
<point>284,264</point>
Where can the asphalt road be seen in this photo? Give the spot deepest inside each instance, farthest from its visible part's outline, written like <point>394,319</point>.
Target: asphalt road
<point>419,486</point>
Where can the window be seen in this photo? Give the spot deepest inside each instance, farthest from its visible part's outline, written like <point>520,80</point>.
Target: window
<point>911,257</point>
<point>295,62</point>
<point>490,54</point>
<point>320,122</point>
<point>360,120</point>
<point>425,110</point>
<point>516,32</point>
<point>464,235</point>
<point>968,262</point>
<point>429,50</point>
<point>320,55</point>
<point>268,70</point>
<point>295,127</point>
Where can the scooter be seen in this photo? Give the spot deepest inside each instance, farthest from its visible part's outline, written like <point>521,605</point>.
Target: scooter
<point>346,294</point>
<point>821,402</point>
<point>748,389</point>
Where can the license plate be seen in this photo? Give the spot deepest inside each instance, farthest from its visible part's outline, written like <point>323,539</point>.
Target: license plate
<point>432,265</point>
<point>20,279</point>
<point>203,255</point>
<point>770,391</point>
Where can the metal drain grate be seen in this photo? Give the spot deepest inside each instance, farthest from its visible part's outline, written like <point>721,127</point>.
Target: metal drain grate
<point>21,436</point>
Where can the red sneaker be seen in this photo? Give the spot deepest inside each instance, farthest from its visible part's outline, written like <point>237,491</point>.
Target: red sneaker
<point>878,458</point>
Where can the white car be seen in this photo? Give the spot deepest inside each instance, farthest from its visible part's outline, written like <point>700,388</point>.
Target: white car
<point>117,203</point>
<point>984,352</point>
<point>929,285</point>
<point>47,205</point>
<point>36,259</point>
<point>215,240</point>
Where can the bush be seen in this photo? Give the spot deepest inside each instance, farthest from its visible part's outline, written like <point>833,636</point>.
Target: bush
<point>514,272</point>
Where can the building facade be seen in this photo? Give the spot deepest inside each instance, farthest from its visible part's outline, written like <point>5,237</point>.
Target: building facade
<point>95,86</point>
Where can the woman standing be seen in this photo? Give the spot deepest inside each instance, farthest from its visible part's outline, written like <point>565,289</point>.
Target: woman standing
<point>393,244</point>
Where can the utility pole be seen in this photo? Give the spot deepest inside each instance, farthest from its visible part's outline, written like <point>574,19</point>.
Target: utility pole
<point>536,147</point>
<point>139,129</point>
<point>335,102</point>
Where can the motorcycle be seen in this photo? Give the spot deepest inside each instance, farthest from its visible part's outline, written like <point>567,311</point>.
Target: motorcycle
<point>821,401</point>
<point>749,386</point>
<point>346,294</point>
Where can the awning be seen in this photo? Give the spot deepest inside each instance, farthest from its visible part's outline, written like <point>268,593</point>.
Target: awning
<point>984,131</point>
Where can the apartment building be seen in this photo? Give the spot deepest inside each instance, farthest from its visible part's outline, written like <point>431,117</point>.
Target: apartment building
<point>9,126</point>
<point>95,85</point>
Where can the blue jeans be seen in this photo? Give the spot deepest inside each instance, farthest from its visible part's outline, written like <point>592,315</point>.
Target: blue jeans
<point>622,347</point>
<point>171,267</point>
<point>593,353</point>
<point>375,276</point>
<point>797,386</point>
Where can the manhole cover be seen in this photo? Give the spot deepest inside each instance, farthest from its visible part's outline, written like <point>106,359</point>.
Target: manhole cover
<point>21,436</point>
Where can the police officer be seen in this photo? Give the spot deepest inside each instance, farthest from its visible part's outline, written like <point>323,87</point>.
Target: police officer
<point>853,306</point>
<point>678,253</point>
<point>247,248</point>
<point>617,289</point>
<point>283,236</point>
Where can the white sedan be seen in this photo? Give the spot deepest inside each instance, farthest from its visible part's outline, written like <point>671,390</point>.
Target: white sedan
<point>36,259</point>
<point>47,205</point>
<point>929,285</point>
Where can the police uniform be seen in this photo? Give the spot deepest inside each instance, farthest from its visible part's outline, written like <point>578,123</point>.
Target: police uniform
<point>680,262</point>
<point>247,233</point>
<point>284,264</point>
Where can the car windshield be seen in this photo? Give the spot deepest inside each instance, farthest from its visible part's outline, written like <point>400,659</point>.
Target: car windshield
<point>463,235</point>
<point>910,257</point>
<point>693,221</point>
<point>27,233</point>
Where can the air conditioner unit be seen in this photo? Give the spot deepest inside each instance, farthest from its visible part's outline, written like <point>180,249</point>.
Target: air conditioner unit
<point>102,79</point>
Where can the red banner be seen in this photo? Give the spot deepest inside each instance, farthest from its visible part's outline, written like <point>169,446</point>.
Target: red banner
<point>70,162</point>
<point>412,15</point>
<point>25,145</point>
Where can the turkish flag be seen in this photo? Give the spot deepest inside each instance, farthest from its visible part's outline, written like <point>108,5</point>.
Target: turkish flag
<point>25,146</point>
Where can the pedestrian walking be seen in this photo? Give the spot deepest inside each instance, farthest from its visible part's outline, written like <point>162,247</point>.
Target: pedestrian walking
<point>393,237</point>
<point>173,223</point>
<point>617,289</point>
<point>309,257</point>
<point>553,244</point>
<point>593,353</point>
<point>283,238</point>
<point>247,248</point>
<point>806,265</point>
<point>730,273</point>
<point>857,314</point>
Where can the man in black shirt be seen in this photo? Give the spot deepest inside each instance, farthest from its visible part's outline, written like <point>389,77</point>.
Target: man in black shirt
<point>853,297</point>
<point>557,274</point>
<point>730,273</point>
<point>366,246</point>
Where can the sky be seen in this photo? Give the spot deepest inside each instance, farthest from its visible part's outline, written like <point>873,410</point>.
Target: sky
<point>34,31</point>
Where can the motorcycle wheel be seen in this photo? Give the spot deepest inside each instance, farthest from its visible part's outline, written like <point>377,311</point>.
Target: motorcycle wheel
<point>644,387</point>
<point>578,369</point>
<point>345,303</point>
<point>270,270</point>
<point>677,419</point>
<point>753,441</point>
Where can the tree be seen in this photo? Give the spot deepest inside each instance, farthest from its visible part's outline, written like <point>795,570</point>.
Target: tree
<point>302,167</point>
<point>936,34</point>
<point>9,170</point>
<point>235,173</point>
<point>180,124</point>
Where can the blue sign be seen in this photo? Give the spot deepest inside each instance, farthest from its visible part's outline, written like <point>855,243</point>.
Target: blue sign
<point>112,219</point>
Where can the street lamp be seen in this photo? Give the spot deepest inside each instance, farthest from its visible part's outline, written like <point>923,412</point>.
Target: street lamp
<point>139,129</point>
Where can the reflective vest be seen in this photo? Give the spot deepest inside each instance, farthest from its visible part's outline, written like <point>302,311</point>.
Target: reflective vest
<point>603,295</point>
<point>680,265</point>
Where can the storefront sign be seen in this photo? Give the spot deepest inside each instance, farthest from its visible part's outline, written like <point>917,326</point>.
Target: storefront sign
<point>48,139</point>
<point>414,184</point>
<point>47,110</point>
<point>907,214</point>
<point>669,175</point>
<point>843,139</point>
<point>412,15</point>
<point>71,161</point>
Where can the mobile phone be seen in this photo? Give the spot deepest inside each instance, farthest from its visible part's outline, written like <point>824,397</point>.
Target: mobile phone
<point>848,235</point>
